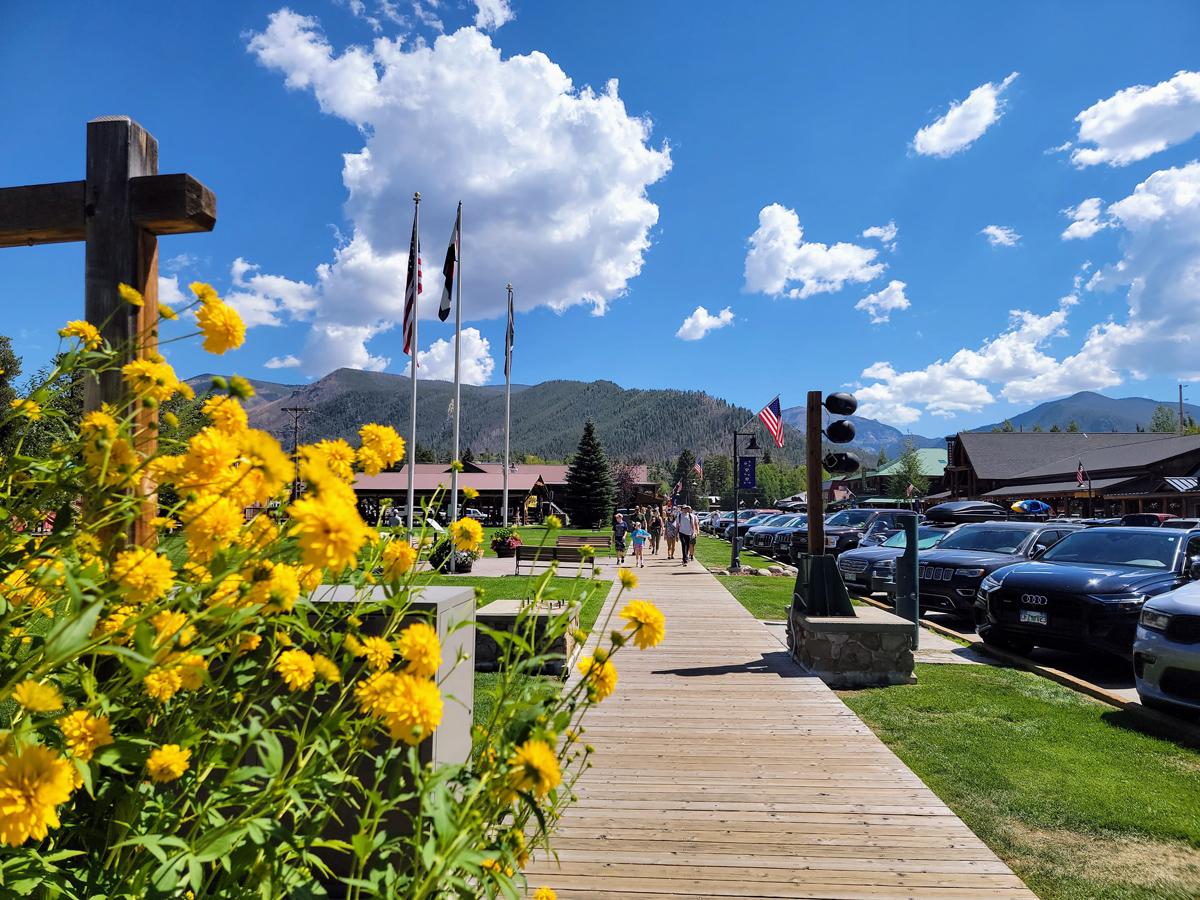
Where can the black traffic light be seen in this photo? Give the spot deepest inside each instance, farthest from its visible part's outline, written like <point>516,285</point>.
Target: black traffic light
<point>841,404</point>
<point>840,463</point>
<point>840,432</point>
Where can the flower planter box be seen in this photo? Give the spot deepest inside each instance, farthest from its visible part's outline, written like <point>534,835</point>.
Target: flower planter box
<point>505,552</point>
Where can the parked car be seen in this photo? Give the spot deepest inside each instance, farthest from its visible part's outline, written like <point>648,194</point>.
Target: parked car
<point>1100,522</point>
<point>472,513</point>
<point>958,512</point>
<point>950,574</point>
<point>845,530</point>
<point>1146,520</point>
<point>873,569</point>
<point>1186,524</point>
<point>1166,650</point>
<point>761,538</point>
<point>1085,592</point>
<point>743,524</point>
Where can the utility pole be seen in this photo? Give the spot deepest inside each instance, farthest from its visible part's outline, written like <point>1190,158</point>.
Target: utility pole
<point>296,412</point>
<point>1182,429</point>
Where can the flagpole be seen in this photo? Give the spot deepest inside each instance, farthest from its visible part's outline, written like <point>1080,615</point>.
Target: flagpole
<point>507,408</point>
<point>412,371</point>
<point>457,378</point>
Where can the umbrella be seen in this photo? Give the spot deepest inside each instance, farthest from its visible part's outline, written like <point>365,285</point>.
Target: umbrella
<point>1030,506</point>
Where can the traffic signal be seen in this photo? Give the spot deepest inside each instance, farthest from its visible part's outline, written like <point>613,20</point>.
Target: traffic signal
<point>840,432</point>
<point>840,463</point>
<point>841,404</point>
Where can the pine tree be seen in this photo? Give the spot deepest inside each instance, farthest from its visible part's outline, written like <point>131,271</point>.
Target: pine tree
<point>10,368</point>
<point>685,476</point>
<point>1056,428</point>
<point>468,456</point>
<point>589,481</point>
<point>1073,427</point>
<point>908,473</point>
<point>882,460</point>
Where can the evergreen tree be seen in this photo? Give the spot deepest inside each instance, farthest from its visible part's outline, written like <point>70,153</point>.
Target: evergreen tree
<point>589,481</point>
<point>908,472</point>
<point>10,368</point>
<point>468,456</point>
<point>685,477</point>
<point>718,476</point>
<point>1055,429</point>
<point>1005,427</point>
<point>1038,429</point>
<point>1164,420</point>
<point>882,460</point>
<point>1073,427</point>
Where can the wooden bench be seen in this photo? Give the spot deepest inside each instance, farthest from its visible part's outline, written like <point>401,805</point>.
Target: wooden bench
<point>596,541</point>
<point>535,556</point>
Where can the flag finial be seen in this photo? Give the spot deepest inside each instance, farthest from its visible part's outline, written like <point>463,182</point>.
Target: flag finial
<point>416,196</point>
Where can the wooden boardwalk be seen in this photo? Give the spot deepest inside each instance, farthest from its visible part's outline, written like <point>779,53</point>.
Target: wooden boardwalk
<point>722,770</point>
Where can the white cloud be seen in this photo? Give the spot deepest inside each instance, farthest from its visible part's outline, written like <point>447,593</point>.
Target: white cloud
<point>885,233</point>
<point>282,362</point>
<point>965,122</point>
<point>779,255</point>
<point>1085,220</point>
<point>701,322</point>
<point>1000,235</point>
<point>169,291</point>
<point>553,180</point>
<point>475,365</point>
<point>491,14</point>
<point>1139,121</point>
<point>882,304</point>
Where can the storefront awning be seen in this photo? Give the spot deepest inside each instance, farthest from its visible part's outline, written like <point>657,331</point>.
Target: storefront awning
<point>1099,486</point>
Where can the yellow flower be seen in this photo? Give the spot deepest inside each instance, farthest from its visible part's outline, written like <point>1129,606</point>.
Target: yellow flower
<point>545,893</point>
<point>130,295</point>
<point>170,625</point>
<point>534,769</point>
<point>226,414</point>
<point>627,578</point>
<point>248,643</point>
<point>142,575</point>
<point>34,782</point>
<point>601,676</point>
<point>410,707</point>
<point>84,733</point>
<point>37,696</point>
<point>310,578</point>
<point>553,522</point>
<point>267,468</point>
<point>162,683</point>
<point>326,668</point>
<point>222,327</point>
<point>88,334</point>
<point>208,462</point>
<point>377,651</point>
<point>165,312</point>
<point>211,523</point>
<point>297,669</point>
<point>192,668</point>
<point>467,534</point>
<point>469,493</point>
<point>26,408</point>
<point>329,533</point>
<point>398,558</point>
<point>420,647</point>
<point>171,419</point>
<point>168,762</point>
<point>381,447</point>
<point>152,378</point>
<point>646,622</point>
<point>274,585</point>
<point>241,387</point>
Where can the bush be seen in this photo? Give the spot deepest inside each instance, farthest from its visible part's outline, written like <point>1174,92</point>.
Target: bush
<point>185,717</point>
<point>506,539</point>
<point>439,557</point>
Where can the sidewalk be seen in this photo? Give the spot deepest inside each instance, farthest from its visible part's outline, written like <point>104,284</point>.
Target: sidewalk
<point>723,770</point>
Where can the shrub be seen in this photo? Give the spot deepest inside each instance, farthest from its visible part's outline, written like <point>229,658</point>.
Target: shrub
<point>506,539</point>
<point>184,716</point>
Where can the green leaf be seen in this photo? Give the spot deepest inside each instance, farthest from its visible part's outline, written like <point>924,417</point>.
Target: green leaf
<point>72,634</point>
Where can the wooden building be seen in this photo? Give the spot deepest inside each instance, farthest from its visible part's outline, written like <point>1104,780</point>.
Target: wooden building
<point>1126,472</point>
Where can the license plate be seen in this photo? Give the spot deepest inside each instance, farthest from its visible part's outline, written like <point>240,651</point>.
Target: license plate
<point>1034,617</point>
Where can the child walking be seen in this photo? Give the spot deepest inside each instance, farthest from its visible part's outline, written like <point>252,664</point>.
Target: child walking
<point>640,536</point>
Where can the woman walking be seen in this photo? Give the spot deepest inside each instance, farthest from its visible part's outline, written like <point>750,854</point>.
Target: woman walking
<point>672,531</point>
<point>656,529</point>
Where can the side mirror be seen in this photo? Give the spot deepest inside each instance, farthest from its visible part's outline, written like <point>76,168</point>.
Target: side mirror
<point>1038,550</point>
<point>1194,569</point>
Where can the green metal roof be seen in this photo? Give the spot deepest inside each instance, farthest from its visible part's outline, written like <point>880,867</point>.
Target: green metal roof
<point>933,464</point>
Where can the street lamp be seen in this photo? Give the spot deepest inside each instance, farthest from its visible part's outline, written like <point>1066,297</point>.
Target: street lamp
<point>751,449</point>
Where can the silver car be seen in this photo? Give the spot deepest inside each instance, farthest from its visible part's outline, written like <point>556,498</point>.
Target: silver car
<point>1166,651</point>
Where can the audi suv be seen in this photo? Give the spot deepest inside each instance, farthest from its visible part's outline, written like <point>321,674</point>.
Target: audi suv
<point>872,570</point>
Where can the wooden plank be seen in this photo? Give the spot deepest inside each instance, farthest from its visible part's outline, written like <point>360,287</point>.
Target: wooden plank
<point>42,214</point>
<point>172,204</point>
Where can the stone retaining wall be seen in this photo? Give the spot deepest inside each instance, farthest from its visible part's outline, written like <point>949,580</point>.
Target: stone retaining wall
<point>871,649</point>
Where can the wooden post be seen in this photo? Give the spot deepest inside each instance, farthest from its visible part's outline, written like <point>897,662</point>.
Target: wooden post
<point>812,453</point>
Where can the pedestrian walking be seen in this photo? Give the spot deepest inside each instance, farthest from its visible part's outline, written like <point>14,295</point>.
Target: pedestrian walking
<point>620,532</point>
<point>656,530</point>
<point>671,530</point>
<point>639,538</point>
<point>689,525</point>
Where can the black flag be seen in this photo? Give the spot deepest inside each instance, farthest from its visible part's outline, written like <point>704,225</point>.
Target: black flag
<point>450,269</point>
<point>508,336</point>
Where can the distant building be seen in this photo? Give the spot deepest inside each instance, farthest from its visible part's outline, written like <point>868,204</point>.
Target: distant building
<point>878,482</point>
<point>530,488</point>
<point>1128,472</point>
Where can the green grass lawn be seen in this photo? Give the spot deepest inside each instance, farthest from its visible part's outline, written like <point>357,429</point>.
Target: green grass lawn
<point>535,535</point>
<point>518,586</point>
<point>1077,801</point>
<point>714,554</point>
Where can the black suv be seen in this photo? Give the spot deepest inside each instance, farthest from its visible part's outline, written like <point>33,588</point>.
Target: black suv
<point>1086,591</point>
<point>762,538</point>
<point>846,529</point>
<point>951,572</point>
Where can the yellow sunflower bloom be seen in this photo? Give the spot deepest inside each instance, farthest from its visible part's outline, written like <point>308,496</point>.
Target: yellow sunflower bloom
<point>534,768</point>
<point>130,295</point>
<point>398,559</point>
<point>222,327</point>
<point>85,733</point>
<point>168,762</point>
<point>88,334</point>
<point>381,447</point>
<point>330,534</point>
<point>421,649</point>
<point>627,578</point>
<point>297,669</point>
<point>37,696</point>
<point>34,782</point>
<point>27,408</point>
<point>467,534</point>
<point>326,668</point>
<point>646,622</point>
<point>545,893</point>
<point>601,676</point>
<point>142,575</point>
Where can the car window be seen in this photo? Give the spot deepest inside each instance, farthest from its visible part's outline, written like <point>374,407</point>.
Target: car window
<point>779,520</point>
<point>1150,550</point>
<point>797,520</point>
<point>989,538</point>
<point>926,538</point>
<point>1193,548</point>
<point>851,517</point>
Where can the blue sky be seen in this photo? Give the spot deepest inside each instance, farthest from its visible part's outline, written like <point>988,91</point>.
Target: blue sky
<point>735,163</point>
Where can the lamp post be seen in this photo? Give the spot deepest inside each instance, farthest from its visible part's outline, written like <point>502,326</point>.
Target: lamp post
<point>752,449</point>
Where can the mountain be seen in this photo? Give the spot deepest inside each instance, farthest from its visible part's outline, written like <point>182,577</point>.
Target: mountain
<point>870,434</point>
<point>547,418</point>
<point>1095,412</point>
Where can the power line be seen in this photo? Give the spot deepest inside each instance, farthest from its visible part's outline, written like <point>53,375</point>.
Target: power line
<point>296,412</point>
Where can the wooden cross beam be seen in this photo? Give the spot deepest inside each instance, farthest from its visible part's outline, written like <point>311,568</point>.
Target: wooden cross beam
<point>118,211</point>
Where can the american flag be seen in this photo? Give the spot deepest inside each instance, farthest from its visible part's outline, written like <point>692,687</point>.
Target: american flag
<point>1081,475</point>
<point>772,417</point>
<point>412,288</point>
<point>698,468</point>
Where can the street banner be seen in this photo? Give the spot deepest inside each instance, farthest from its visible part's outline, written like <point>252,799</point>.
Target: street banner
<point>746,473</point>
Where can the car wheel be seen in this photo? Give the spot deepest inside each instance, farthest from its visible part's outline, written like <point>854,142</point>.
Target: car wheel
<point>1012,645</point>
